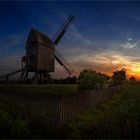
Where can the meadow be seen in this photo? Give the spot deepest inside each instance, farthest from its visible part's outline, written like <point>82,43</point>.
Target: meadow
<point>50,88</point>
<point>117,117</point>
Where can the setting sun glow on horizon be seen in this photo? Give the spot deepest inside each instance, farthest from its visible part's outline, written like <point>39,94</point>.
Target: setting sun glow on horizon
<point>105,36</point>
<point>109,62</point>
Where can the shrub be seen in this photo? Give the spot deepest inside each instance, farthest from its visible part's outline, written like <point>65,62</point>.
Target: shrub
<point>119,76</point>
<point>89,79</point>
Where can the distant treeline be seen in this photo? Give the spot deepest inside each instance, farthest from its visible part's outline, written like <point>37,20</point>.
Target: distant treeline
<point>87,79</point>
<point>69,80</point>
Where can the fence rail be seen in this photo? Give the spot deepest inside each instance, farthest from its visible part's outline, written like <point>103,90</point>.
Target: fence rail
<point>56,109</point>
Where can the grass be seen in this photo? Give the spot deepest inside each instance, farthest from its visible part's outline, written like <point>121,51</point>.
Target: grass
<point>118,117</point>
<point>52,88</point>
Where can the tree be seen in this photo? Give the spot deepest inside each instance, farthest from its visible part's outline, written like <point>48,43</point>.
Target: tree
<point>119,76</point>
<point>89,79</point>
<point>69,80</point>
<point>132,79</point>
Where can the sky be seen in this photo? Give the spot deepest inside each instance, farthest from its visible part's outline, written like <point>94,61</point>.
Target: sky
<point>105,35</point>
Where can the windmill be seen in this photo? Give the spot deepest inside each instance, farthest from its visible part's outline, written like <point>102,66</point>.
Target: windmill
<point>41,53</point>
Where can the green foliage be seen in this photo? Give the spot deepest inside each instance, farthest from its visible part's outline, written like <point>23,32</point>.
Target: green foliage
<point>35,89</point>
<point>68,80</point>
<point>11,124</point>
<point>89,79</point>
<point>117,118</point>
<point>119,76</point>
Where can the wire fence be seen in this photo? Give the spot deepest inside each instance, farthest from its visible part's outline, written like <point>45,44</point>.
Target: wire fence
<point>56,109</point>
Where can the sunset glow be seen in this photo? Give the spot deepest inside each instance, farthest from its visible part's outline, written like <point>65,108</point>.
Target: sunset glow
<point>104,36</point>
<point>134,71</point>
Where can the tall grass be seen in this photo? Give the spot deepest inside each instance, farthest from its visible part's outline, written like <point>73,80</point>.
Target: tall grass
<point>118,117</point>
<point>52,88</point>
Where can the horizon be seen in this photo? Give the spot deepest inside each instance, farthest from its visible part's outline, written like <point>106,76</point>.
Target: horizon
<point>104,36</point>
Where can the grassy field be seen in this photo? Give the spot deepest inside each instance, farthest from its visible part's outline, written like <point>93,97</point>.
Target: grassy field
<point>117,117</point>
<point>52,88</point>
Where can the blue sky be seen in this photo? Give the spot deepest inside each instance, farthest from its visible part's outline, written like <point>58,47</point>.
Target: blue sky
<point>105,35</point>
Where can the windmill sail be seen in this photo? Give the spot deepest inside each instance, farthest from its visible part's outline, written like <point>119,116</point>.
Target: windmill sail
<point>59,34</point>
<point>62,61</point>
<point>40,54</point>
<point>65,65</point>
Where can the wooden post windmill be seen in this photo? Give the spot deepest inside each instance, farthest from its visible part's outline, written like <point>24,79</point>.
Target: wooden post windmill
<point>41,53</point>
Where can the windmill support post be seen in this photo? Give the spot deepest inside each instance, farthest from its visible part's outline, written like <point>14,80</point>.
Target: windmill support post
<point>40,55</point>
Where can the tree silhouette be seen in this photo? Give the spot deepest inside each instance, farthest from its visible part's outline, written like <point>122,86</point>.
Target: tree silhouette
<point>89,79</point>
<point>132,79</point>
<point>119,76</point>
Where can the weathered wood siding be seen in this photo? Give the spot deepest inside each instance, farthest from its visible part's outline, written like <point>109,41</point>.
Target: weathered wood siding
<point>45,58</point>
<point>40,52</point>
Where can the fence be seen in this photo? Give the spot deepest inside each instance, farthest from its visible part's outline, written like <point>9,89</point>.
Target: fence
<point>56,109</point>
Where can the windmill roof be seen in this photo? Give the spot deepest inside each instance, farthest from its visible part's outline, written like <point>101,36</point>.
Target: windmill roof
<point>43,39</point>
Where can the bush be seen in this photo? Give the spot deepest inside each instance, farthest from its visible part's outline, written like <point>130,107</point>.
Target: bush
<point>89,79</point>
<point>119,76</point>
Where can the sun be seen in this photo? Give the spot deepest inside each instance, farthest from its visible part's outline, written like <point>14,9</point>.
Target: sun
<point>134,70</point>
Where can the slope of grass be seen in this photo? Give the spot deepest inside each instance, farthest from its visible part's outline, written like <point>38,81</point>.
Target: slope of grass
<point>52,88</point>
<point>118,117</point>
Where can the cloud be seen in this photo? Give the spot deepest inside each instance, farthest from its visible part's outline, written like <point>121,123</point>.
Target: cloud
<point>104,56</point>
<point>10,64</point>
<point>82,52</point>
<point>129,39</point>
<point>75,33</point>
<point>105,61</point>
<point>129,44</point>
<point>9,42</point>
<point>84,56</point>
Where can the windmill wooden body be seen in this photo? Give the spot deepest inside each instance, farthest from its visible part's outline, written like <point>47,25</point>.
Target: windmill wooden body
<point>41,54</point>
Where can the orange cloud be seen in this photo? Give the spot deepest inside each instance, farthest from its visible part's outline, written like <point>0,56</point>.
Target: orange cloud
<point>107,63</point>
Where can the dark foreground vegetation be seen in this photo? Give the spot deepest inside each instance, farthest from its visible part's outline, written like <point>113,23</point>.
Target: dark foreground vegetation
<point>118,117</point>
<point>52,89</point>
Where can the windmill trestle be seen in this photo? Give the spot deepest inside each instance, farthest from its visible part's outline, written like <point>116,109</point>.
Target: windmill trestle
<point>41,54</point>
